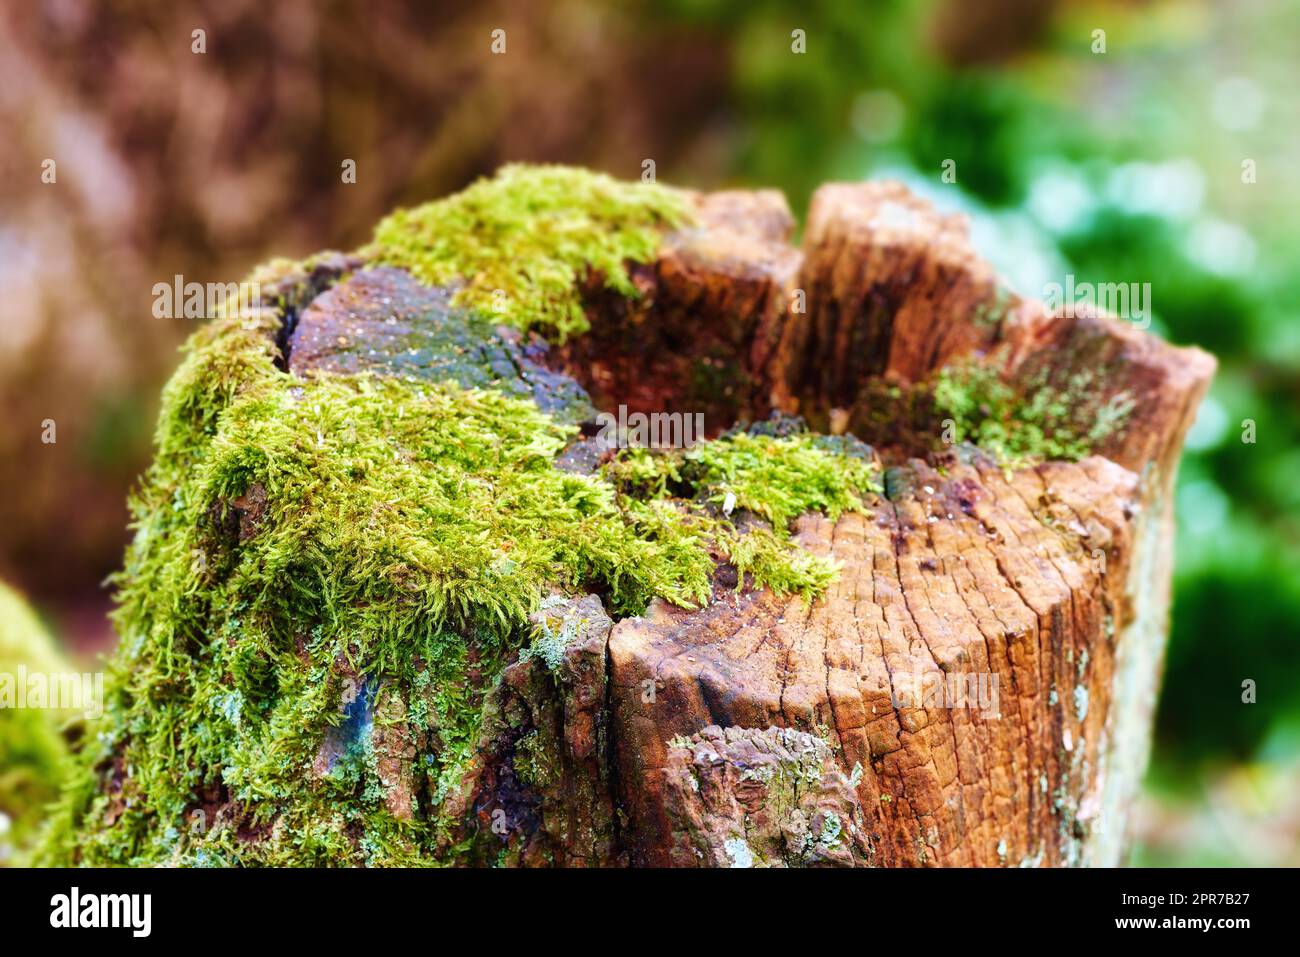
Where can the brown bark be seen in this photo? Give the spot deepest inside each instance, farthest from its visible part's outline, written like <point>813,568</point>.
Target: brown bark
<point>769,730</point>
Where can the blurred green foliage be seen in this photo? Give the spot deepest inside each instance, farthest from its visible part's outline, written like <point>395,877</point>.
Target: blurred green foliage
<point>33,753</point>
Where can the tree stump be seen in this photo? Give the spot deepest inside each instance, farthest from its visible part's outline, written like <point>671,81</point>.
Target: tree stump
<point>974,684</point>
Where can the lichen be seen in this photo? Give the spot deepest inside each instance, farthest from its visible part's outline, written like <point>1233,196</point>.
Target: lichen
<point>552,633</point>
<point>524,240</point>
<point>1035,421</point>
<point>739,853</point>
<point>829,836</point>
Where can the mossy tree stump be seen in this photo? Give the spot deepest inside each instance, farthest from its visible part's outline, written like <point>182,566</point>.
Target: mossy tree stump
<point>437,617</point>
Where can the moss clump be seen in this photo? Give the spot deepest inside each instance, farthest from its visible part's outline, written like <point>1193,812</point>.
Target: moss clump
<point>523,241</point>
<point>1038,421</point>
<point>33,753</point>
<point>531,761</point>
<point>775,477</point>
<point>778,477</point>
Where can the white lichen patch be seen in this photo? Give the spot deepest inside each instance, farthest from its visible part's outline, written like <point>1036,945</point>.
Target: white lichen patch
<point>739,852</point>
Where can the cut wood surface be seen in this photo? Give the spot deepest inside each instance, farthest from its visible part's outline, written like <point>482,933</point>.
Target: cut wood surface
<point>975,687</point>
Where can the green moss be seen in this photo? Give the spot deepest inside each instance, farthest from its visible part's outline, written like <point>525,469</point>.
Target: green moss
<point>33,753</point>
<point>1037,421</point>
<point>523,241</point>
<point>532,761</point>
<point>777,478</point>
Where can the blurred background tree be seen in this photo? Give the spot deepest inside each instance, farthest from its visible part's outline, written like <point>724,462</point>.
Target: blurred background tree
<point>1167,157</point>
